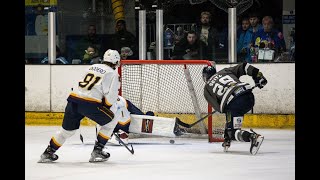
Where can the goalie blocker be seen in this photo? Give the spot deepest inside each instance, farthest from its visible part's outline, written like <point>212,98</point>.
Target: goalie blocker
<point>154,125</point>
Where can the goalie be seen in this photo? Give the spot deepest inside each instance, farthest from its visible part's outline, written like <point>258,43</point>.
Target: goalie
<point>132,120</point>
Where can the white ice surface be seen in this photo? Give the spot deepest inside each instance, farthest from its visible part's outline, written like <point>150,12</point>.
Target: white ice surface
<point>156,159</point>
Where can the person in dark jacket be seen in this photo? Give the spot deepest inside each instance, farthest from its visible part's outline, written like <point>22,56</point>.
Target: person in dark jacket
<point>124,38</point>
<point>208,34</point>
<point>190,48</point>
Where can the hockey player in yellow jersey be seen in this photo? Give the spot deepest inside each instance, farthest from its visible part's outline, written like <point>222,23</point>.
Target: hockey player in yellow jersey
<point>97,90</point>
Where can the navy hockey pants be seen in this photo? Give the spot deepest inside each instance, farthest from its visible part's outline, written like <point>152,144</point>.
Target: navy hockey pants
<point>75,112</point>
<point>238,107</point>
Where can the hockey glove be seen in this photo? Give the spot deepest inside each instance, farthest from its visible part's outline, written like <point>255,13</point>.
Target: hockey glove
<point>260,80</point>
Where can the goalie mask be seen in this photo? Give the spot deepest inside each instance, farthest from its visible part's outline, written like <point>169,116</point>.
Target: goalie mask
<point>207,72</point>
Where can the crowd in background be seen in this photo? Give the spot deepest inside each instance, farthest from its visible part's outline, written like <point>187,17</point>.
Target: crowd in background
<point>257,41</point>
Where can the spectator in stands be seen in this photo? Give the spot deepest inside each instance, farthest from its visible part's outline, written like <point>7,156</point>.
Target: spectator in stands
<point>207,34</point>
<point>190,47</point>
<point>179,35</point>
<point>124,38</point>
<point>244,41</point>
<point>125,52</point>
<point>91,56</point>
<point>59,58</point>
<point>268,37</point>
<point>292,44</point>
<point>90,39</point>
<point>254,23</point>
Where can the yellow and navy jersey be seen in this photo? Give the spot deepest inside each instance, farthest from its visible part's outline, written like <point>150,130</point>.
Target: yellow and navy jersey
<point>99,84</point>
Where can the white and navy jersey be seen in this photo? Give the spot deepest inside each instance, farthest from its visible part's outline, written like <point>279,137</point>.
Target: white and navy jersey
<point>223,86</point>
<point>99,84</point>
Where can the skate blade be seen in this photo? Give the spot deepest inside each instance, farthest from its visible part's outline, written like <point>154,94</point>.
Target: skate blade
<point>255,149</point>
<point>225,149</point>
<point>45,161</point>
<point>95,160</point>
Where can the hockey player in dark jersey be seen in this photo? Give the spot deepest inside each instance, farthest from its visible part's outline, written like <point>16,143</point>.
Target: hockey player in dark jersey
<point>227,94</point>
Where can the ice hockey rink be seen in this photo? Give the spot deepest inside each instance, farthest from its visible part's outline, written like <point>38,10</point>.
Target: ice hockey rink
<point>155,158</point>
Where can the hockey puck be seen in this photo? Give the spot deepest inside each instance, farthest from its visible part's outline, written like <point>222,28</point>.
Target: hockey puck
<point>171,141</point>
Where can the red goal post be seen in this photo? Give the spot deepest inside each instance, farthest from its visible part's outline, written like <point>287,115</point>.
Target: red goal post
<point>170,88</point>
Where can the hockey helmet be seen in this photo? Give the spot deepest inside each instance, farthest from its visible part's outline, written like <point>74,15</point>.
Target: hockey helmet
<point>111,56</point>
<point>207,72</point>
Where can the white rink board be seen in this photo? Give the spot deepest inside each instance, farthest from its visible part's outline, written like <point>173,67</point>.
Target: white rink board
<point>37,88</point>
<point>278,96</point>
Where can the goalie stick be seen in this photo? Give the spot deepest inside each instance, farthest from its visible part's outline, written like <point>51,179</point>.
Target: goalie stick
<point>179,122</point>
<point>130,150</point>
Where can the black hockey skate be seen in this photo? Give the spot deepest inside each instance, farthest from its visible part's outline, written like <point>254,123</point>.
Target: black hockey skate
<point>256,141</point>
<point>227,140</point>
<point>226,144</point>
<point>99,153</point>
<point>48,156</point>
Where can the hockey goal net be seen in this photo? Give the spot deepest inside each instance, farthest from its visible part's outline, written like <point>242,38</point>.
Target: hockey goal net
<point>171,88</point>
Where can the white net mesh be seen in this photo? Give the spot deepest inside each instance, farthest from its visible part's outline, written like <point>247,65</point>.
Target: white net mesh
<point>163,89</point>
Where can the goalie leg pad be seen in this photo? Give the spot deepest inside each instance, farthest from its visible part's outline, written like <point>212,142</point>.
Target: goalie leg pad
<point>152,125</point>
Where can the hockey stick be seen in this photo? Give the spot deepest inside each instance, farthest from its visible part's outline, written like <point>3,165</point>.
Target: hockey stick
<point>81,137</point>
<point>179,122</point>
<point>130,150</point>
<point>96,130</point>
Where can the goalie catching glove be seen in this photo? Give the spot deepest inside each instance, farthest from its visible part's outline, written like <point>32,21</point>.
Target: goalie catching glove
<point>260,80</point>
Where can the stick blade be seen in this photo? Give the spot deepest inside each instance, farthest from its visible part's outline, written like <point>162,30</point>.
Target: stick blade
<point>81,138</point>
<point>179,122</point>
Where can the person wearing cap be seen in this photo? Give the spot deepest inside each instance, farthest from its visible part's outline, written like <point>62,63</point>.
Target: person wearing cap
<point>95,93</point>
